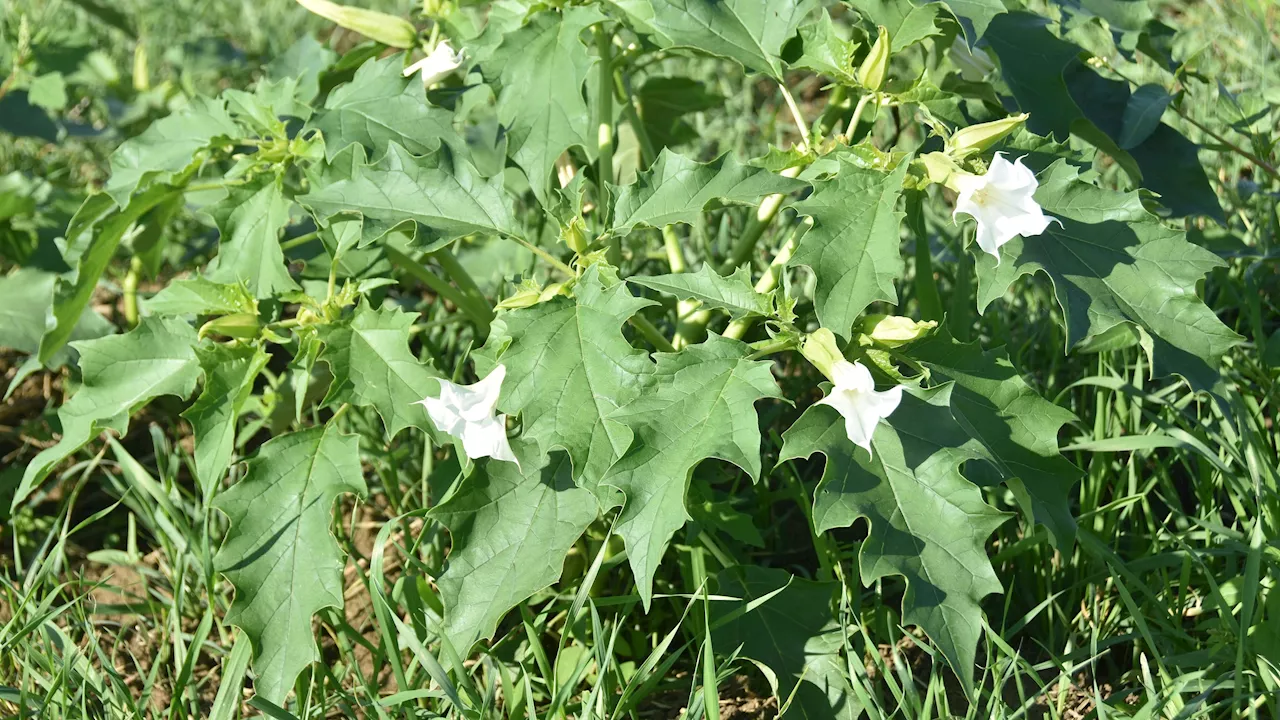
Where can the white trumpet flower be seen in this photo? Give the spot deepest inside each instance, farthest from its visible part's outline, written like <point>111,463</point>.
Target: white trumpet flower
<point>467,413</point>
<point>437,66</point>
<point>855,398</point>
<point>1002,202</point>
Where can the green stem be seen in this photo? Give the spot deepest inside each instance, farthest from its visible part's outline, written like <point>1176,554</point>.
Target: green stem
<point>437,285</point>
<point>772,346</point>
<point>765,213</point>
<point>797,116</point>
<point>552,259</point>
<point>292,243</point>
<point>215,185</point>
<point>675,253</point>
<point>647,152</point>
<point>459,275</point>
<point>604,134</point>
<point>738,328</point>
<point>651,333</point>
<point>857,115</point>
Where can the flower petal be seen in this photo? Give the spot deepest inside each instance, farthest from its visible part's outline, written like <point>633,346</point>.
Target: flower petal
<point>859,417</point>
<point>487,438</point>
<point>490,388</point>
<point>852,376</point>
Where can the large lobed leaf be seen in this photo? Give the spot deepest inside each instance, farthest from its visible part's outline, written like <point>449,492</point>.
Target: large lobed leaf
<point>372,367</point>
<point>1112,262</point>
<point>701,405</point>
<point>380,107</point>
<point>676,189</point>
<point>928,523</point>
<point>440,196</point>
<point>279,552</point>
<point>92,238</point>
<point>168,146</point>
<point>120,374</point>
<point>229,373</point>
<point>734,294</point>
<point>1017,427</point>
<point>511,528</point>
<point>853,247</point>
<point>1064,95</point>
<point>250,219</point>
<point>569,367</point>
<point>752,32</point>
<point>540,69</point>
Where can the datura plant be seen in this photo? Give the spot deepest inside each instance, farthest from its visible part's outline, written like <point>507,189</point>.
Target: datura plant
<point>620,328</point>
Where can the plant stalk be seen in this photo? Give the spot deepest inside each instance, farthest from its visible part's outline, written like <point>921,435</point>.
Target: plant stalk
<point>767,282</point>
<point>438,285</point>
<point>604,136</point>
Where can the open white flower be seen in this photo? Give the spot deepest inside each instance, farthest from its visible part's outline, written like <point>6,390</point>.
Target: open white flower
<point>467,413</point>
<point>436,66</point>
<point>1002,202</point>
<point>854,396</point>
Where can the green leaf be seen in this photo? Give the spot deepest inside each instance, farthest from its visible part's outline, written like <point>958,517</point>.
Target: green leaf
<point>792,635</point>
<point>1018,427</point>
<point>27,295</point>
<point>976,16</point>
<point>569,367</point>
<point>380,107</point>
<point>702,405</point>
<point>168,146</point>
<point>540,69</point>
<point>200,296</point>
<point>1065,96</point>
<point>303,62</point>
<point>372,367</point>
<point>752,32</point>
<point>263,108</point>
<point>279,552</point>
<point>826,51</point>
<point>48,91</point>
<point>92,238</point>
<point>676,189</point>
<point>735,293</point>
<point>250,219</point>
<point>120,374</point>
<point>907,24</point>
<point>229,372</point>
<point>1142,115</point>
<point>927,523</point>
<point>853,246</point>
<point>511,528</point>
<point>1111,262</point>
<point>663,103</point>
<point>441,195</point>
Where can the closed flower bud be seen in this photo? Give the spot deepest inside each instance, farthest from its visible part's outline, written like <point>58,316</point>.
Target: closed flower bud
<point>386,29</point>
<point>978,138</point>
<point>894,331</point>
<point>242,326</point>
<point>822,351</point>
<point>876,65</point>
<point>574,235</point>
